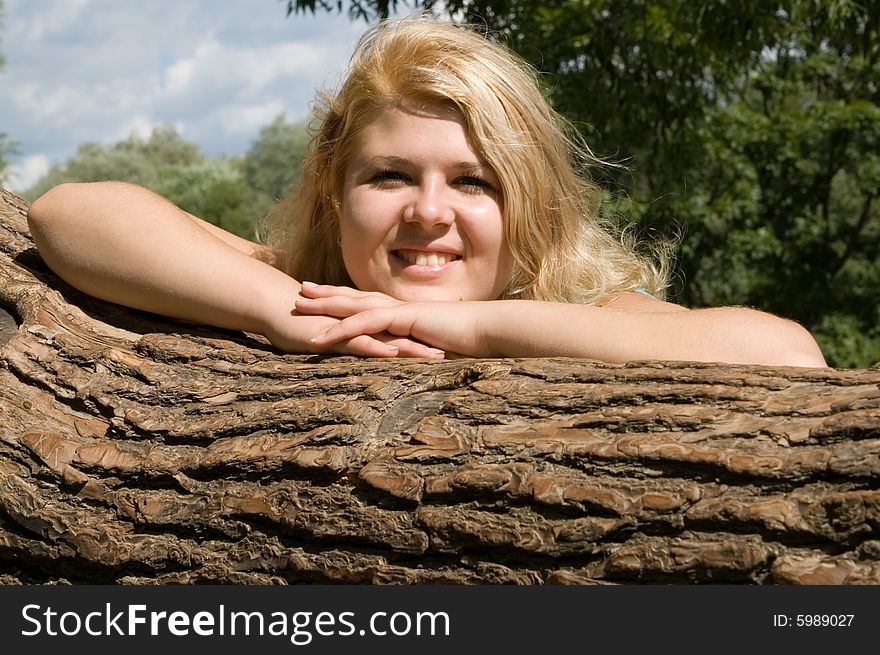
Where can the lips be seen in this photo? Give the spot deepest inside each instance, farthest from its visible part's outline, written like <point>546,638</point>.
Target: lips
<point>426,257</point>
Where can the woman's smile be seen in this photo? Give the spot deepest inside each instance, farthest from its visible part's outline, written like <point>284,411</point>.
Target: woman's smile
<point>421,258</point>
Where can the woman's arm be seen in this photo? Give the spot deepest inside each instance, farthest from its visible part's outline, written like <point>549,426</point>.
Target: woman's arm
<point>645,331</point>
<point>632,327</point>
<point>125,244</point>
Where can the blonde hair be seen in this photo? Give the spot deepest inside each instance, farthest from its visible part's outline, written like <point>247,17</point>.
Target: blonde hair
<point>562,250</point>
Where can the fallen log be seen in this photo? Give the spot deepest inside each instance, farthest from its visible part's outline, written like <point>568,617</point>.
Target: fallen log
<point>136,449</point>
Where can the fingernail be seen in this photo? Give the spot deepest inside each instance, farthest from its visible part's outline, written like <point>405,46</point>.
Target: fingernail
<point>437,351</point>
<point>306,283</point>
<point>390,347</point>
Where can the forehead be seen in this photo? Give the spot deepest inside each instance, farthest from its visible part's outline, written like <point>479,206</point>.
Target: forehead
<point>427,131</point>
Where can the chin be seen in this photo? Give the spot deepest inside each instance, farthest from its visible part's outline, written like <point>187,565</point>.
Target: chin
<point>427,294</point>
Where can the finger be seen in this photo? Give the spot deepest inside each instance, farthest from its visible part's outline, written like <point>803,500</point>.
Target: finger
<point>410,348</point>
<point>364,346</point>
<point>386,346</point>
<point>372,321</point>
<point>313,290</point>
<point>338,306</point>
<point>376,298</point>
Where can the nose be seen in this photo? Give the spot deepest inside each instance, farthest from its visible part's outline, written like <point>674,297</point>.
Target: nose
<point>430,206</point>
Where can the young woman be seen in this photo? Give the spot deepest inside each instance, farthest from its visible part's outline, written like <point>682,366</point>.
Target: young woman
<point>441,214</point>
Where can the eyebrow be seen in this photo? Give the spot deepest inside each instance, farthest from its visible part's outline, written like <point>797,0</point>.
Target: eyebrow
<point>393,160</point>
<point>386,160</point>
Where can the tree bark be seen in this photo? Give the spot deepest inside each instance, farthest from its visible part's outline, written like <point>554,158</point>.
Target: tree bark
<point>136,449</point>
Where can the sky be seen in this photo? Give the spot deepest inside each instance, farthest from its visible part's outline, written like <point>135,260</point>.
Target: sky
<point>82,71</point>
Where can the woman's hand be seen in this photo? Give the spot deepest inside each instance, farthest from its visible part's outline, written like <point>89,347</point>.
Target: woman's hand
<point>453,327</point>
<point>314,317</point>
<point>338,301</point>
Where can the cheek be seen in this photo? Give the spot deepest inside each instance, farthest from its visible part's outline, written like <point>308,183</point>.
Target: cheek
<point>351,241</point>
<point>488,231</point>
<point>362,234</point>
<point>505,263</point>
<point>496,264</point>
<point>363,217</point>
<point>504,267</point>
<point>360,238</point>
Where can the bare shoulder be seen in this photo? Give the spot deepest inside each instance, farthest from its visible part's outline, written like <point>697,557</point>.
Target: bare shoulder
<point>638,302</point>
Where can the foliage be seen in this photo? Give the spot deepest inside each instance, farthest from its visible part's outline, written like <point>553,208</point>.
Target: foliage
<point>272,166</point>
<point>232,192</point>
<point>357,9</point>
<point>751,127</point>
<point>211,189</point>
<point>7,148</point>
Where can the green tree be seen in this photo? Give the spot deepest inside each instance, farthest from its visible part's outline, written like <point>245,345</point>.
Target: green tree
<point>272,165</point>
<point>752,127</point>
<point>213,189</point>
<point>7,146</point>
<point>792,177</point>
<point>357,9</point>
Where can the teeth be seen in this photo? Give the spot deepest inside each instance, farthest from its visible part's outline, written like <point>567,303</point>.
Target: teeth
<point>426,259</point>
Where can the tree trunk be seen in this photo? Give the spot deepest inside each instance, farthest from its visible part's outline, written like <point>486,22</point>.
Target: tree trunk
<point>136,449</point>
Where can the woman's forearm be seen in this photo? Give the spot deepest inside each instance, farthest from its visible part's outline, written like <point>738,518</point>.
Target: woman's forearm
<point>125,244</point>
<point>732,335</point>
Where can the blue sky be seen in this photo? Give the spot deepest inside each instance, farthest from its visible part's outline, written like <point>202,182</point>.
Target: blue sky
<point>100,70</point>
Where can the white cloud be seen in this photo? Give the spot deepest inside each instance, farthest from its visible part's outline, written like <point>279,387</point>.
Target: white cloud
<point>139,126</point>
<point>98,70</point>
<point>248,119</point>
<point>53,19</point>
<point>26,172</point>
<point>241,71</point>
<point>66,104</point>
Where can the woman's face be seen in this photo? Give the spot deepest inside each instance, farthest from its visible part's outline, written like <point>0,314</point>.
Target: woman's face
<point>421,216</point>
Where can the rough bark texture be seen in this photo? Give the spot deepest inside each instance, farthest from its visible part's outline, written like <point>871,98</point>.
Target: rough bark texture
<point>135,449</point>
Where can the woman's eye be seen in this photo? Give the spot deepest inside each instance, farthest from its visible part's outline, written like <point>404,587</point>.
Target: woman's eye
<point>389,178</point>
<point>470,184</point>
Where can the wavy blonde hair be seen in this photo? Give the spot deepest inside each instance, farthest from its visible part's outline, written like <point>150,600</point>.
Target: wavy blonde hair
<point>563,251</point>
